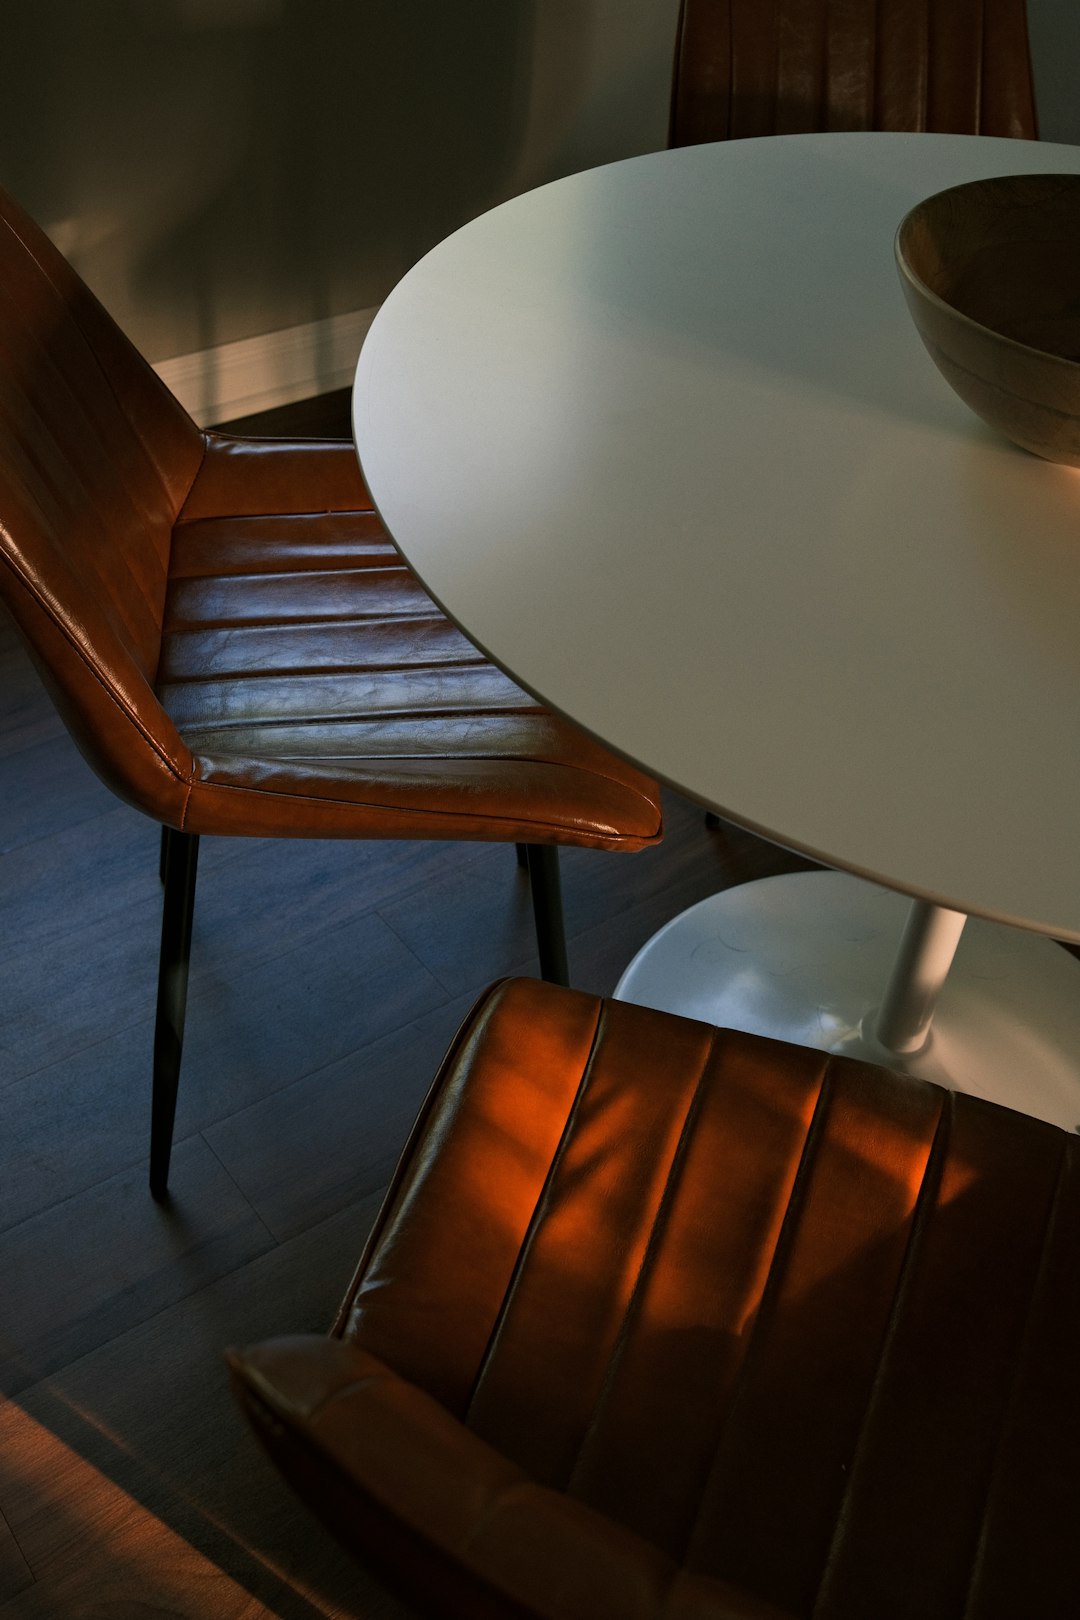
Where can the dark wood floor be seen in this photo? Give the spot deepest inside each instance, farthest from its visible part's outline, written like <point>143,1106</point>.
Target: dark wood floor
<point>326,980</point>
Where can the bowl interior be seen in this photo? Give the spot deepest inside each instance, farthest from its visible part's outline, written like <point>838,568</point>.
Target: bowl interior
<point>1005,253</point>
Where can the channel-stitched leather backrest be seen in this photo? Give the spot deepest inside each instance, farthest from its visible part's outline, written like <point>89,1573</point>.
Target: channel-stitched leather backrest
<point>96,457</point>
<point>789,67</point>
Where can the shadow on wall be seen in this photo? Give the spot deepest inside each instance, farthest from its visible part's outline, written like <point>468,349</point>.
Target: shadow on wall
<point>221,168</point>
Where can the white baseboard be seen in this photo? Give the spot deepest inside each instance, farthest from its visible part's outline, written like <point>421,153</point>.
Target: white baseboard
<point>274,368</point>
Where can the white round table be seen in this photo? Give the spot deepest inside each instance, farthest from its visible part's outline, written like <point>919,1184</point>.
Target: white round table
<point>662,438</point>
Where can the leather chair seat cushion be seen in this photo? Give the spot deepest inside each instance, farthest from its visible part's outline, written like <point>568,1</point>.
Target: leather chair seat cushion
<point>225,628</point>
<point>322,693</point>
<point>799,1332</point>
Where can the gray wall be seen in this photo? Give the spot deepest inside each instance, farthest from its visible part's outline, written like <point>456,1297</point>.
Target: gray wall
<point>222,168</point>
<point>1054,26</point>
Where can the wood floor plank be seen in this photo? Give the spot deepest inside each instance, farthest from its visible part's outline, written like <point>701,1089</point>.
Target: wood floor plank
<point>76,879</point>
<point>468,926</point>
<point>335,1135</point>
<point>27,717</point>
<point>250,1034</point>
<point>143,1437</point>
<point>323,882</point>
<point>185,1585</point>
<point>63,995</point>
<point>86,1118</point>
<point>93,1266</point>
<point>15,1573</point>
<point>252,905</point>
<point>48,787</point>
<point>466,932</point>
<point>75,1124</point>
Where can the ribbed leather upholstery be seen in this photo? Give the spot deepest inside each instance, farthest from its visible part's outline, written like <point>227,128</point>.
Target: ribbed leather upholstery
<point>664,1321</point>
<point>792,67</point>
<point>228,631</point>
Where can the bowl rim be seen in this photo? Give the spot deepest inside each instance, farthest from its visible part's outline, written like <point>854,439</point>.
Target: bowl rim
<point>916,281</point>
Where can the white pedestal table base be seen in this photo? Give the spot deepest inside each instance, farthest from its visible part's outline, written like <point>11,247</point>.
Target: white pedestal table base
<point>807,957</point>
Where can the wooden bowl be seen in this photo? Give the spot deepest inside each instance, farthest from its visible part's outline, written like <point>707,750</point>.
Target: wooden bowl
<point>991,274</point>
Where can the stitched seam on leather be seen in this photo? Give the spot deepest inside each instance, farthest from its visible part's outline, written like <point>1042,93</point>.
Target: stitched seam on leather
<point>671,1185</point>
<point>537,1215</point>
<point>777,37</point>
<point>676,75</point>
<point>615,781</point>
<point>343,1392</point>
<point>106,686</point>
<point>203,458</point>
<point>186,807</point>
<point>380,718</point>
<point>313,621</point>
<point>731,68</point>
<point>781,1247</point>
<point>875,91</point>
<point>925,1206</point>
<point>824,120</point>
<point>496,1505</point>
<point>183,522</point>
<point>540,761</point>
<point>306,670</point>
<point>543,761</point>
<point>555,827</point>
<point>482,1010</point>
<point>1050,1226</point>
<point>321,674</point>
<point>284,1404</point>
<point>336,567</point>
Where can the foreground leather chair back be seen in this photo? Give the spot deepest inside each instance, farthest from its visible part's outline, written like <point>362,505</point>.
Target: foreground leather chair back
<point>237,646</point>
<point>793,67</point>
<point>661,1322</point>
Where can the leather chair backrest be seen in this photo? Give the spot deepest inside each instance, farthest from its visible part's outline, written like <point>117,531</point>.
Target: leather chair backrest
<point>789,67</point>
<point>96,457</point>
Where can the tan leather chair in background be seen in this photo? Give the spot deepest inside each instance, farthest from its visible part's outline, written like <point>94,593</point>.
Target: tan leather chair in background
<point>792,67</point>
<point>661,1322</point>
<point>236,645</point>
<point>747,68</point>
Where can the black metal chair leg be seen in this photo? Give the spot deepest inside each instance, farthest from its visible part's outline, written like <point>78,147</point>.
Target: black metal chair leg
<point>522,856</point>
<point>181,852</point>
<point>543,862</point>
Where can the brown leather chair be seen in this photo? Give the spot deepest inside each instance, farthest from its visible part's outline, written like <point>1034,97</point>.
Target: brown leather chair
<point>236,645</point>
<point>662,1322</point>
<point>791,67</point>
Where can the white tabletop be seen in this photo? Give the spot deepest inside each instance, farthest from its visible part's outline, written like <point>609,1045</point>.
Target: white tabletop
<point>663,439</point>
